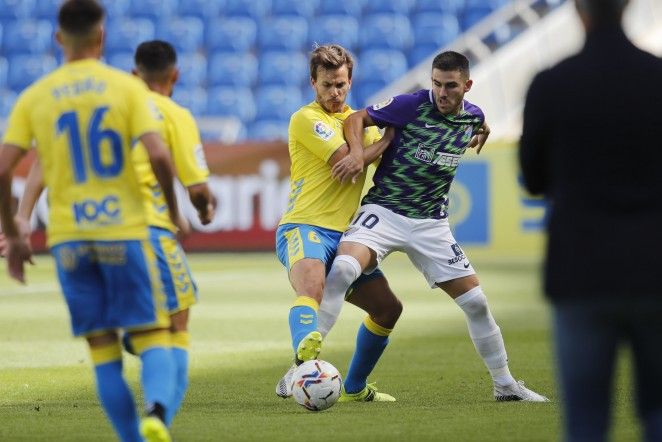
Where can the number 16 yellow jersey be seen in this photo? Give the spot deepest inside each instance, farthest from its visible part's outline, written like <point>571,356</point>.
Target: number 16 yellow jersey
<point>84,118</point>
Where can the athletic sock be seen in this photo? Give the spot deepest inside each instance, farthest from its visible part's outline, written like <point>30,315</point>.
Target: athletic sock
<point>486,335</point>
<point>113,391</point>
<point>158,369</point>
<point>344,271</point>
<point>180,350</point>
<point>302,319</point>
<point>371,340</point>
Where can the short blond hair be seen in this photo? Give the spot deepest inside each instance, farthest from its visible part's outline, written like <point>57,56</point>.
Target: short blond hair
<point>330,57</point>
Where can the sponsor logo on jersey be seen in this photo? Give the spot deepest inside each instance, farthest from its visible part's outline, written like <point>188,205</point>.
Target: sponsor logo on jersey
<point>428,155</point>
<point>98,212</point>
<point>382,104</point>
<point>323,131</point>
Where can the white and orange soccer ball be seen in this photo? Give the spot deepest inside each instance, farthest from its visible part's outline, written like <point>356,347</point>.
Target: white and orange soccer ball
<point>316,385</point>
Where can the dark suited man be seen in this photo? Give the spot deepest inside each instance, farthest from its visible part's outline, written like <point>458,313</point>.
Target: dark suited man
<point>591,146</point>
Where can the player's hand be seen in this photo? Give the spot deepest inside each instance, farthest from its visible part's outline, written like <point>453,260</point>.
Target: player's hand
<point>183,226</point>
<point>348,168</point>
<point>207,215</point>
<point>479,138</point>
<point>18,252</point>
<point>24,231</point>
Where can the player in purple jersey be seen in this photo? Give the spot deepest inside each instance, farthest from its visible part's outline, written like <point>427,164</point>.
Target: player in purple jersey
<point>406,210</point>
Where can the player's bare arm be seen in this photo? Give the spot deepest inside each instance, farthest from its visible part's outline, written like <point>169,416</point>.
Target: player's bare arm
<point>18,249</point>
<point>353,130</point>
<point>203,201</point>
<point>161,163</point>
<point>370,153</point>
<point>479,139</point>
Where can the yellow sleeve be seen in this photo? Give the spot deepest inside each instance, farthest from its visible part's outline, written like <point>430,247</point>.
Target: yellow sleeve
<point>187,153</point>
<point>19,131</point>
<point>316,134</point>
<point>373,135</point>
<point>145,116</point>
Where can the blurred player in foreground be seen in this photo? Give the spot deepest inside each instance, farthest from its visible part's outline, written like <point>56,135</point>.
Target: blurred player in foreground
<point>156,65</point>
<point>83,118</point>
<point>595,155</point>
<point>318,211</point>
<point>406,210</point>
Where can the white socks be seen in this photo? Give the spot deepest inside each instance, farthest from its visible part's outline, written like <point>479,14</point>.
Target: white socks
<point>344,271</point>
<point>486,335</point>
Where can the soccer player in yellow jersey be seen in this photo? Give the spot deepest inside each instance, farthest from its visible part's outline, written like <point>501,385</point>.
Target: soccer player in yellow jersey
<point>319,210</point>
<point>84,118</point>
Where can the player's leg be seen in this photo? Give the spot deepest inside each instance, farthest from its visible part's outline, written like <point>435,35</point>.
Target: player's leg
<point>139,304</point>
<point>372,294</point>
<point>83,287</point>
<point>181,293</point>
<point>434,251</point>
<point>112,389</point>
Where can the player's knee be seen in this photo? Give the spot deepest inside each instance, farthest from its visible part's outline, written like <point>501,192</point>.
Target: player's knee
<point>474,303</point>
<point>179,321</point>
<point>344,271</point>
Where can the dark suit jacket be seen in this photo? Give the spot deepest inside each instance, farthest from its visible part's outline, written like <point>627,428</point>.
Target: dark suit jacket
<point>592,144</point>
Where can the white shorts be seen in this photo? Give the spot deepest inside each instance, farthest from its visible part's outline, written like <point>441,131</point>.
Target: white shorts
<point>428,243</point>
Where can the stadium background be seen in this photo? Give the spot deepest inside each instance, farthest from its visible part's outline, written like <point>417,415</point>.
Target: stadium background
<point>244,71</point>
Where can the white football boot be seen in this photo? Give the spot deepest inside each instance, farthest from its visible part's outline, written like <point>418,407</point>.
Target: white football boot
<point>517,392</point>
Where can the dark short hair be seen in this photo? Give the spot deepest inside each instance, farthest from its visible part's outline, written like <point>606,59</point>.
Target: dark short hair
<point>155,57</point>
<point>603,12</point>
<point>79,17</point>
<point>451,61</point>
<point>330,57</point>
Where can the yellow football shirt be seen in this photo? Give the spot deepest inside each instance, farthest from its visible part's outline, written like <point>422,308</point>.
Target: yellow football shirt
<point>84,117</point>
<point>182,138</point>
<point>315,197</point>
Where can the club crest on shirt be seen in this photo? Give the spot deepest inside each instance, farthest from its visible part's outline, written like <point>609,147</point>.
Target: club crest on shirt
<point>382,104</point>
<point>323,131</point>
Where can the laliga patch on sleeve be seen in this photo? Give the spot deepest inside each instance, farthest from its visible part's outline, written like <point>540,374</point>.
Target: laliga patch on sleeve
<point>383,104</point>
<point>323,130</point>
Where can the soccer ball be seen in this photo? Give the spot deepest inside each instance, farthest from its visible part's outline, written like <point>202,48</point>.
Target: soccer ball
<point>316,385</point>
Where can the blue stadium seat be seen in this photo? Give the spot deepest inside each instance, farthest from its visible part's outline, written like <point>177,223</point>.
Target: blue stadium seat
<point>471,16</point>
<point>435,28</point>
<point>392,6</point>
<point>385,31</point>
<point>283,32</point>
<point>418,53</point>
<point>446,6</point>
<point>47,10</point>
<point>288,7</point>
<point>366,90</point>
<point>231,33</point>
<point>3,72</point>
<point>184,33</point>
<point>340,29</point>
<point>192,69</point>
<point>231,101</point>
<point>25,69</point>
<point>127,34</point>
<point>278,102</point>
<point>0,35</point>
<point>354,7</point>
<point>28,37</point>
<point>7,100</point>
<point>491,4</point>
<point>232,69</point>
<point>201,8</point>
<point>268,130</point>
<point>382,65</point>
<point>15,9</point>
<point>193,98</point>
<point>116,8</point>
<point>122,60</point>
<point>153,9</point>
<point>256,9</point>
<point>282,67</point>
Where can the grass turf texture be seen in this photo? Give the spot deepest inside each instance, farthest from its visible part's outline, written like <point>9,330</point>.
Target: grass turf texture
<point>240,348</point>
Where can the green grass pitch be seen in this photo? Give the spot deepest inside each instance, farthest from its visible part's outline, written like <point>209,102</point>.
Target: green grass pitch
<point>241,348</point>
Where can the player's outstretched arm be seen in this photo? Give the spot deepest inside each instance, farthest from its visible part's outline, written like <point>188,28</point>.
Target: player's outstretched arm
<point>351,166</point>
<point>479,138</point>
<point>203,201</point>
<point>18,249</point>
<point>159,158</point>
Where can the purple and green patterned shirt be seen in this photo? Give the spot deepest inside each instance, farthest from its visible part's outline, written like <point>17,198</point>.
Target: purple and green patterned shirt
<point>416,171</point>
